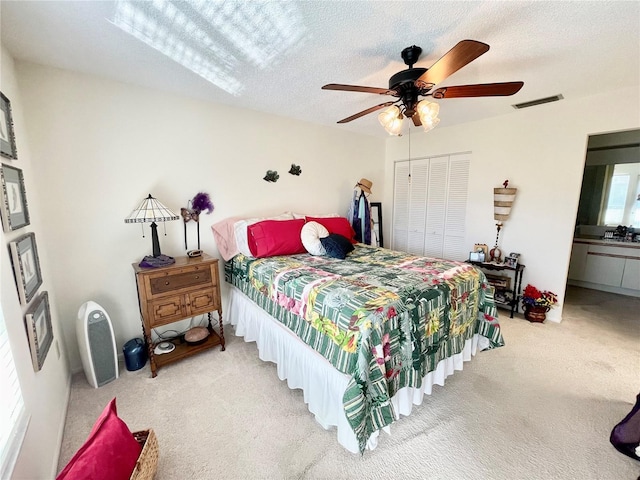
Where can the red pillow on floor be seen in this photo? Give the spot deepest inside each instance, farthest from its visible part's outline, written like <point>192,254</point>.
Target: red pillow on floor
<point>275,237</point>
<point>110,452</point>
<point>339,225</point>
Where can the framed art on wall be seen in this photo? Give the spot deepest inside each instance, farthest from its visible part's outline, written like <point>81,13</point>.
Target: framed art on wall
<point>39,331</point>
<point>15,212</point>
<point>26,266</point>
<point>7,137</point>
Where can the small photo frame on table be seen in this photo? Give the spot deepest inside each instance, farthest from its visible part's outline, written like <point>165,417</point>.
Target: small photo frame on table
<point>7,136</point>
<point>15,212</point>
<point>26,266</point>
<point>39,331</point>
<point>512,260</point>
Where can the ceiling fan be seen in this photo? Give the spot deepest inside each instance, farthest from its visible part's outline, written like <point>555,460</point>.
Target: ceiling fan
<point>410,84</point>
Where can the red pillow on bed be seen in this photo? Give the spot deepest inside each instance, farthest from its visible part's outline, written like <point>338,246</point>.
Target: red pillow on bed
<point>339,225</point>
<point>275,237</point>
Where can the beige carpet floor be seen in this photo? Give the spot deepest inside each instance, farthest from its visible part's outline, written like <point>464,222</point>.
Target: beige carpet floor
<point>542,407</point>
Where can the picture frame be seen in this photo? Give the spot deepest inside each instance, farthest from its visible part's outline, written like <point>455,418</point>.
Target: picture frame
<point>39,330</point>
<point>511,262</point>
<point>7,135</point>
<point>376,223</point>
<point>14,207</point>
<point>482,247</point>
<point>26,266</point>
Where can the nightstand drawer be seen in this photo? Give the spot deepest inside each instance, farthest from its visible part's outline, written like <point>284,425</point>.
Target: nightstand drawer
<point>171,283</point>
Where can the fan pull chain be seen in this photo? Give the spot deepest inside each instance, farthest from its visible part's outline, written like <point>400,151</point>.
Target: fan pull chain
<point>409,155</point>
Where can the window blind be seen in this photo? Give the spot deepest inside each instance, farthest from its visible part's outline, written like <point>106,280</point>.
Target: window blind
<point>13,418</point>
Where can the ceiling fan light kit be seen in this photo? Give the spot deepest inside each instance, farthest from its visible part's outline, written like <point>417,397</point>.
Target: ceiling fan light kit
<point>410,84</point>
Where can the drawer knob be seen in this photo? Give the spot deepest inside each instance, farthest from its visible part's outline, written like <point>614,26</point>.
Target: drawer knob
<point>166,283</point>
<point>197,277</point>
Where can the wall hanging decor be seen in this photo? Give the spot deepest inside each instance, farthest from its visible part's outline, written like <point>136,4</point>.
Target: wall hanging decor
<point>199,204</point>
<point>295,170</point>
<point>271,176</point>
<point>503,199</point>
<point>7,136</point>
<point>15,212</point>
<point>38,325</point>
<point>26,266</point>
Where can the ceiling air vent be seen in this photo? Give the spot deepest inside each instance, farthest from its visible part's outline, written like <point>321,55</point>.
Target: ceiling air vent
<point>539,101</point>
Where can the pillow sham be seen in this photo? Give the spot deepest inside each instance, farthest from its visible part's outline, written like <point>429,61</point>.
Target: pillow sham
<point>240,231</point>
<point>275,237</point>
<point>338,225</point>
<point>224,235</point>
<point>311,234</point>
<point>337,246</point>
<point>110,452</point>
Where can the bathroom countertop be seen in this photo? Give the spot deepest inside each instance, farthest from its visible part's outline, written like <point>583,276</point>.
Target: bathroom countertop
<point>596,240</point>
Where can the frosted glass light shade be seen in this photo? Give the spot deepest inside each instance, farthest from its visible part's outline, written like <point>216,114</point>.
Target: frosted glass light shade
<point>391,120</point>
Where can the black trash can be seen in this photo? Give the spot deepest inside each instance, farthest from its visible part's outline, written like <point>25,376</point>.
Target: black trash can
<point>135,354</point>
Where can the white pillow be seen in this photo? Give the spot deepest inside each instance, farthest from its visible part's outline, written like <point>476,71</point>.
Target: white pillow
<point>311,234</point>
<point>240,231</point>
<point>320,215</point>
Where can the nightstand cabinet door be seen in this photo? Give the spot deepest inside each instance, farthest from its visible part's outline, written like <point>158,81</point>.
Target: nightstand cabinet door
<point>166,310</point>
<point>202,301</point>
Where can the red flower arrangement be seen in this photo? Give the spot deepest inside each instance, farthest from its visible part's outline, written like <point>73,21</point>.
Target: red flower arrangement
<point>536,298</point>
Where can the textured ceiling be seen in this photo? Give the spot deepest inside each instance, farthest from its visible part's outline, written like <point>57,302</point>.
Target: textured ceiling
<point>571,48</point>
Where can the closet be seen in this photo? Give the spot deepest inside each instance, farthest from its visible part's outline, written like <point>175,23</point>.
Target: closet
<point>429,206</point>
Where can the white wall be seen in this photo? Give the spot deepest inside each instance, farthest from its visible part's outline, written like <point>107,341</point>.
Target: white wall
<point>46,392</point>
<point>541,151</point>
<point>99,147</point>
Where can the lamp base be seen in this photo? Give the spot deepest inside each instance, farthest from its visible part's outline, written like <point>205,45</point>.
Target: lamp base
<point>155,262</point>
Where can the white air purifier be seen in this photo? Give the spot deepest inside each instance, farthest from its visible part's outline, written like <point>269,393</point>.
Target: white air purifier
<point>97,344</point>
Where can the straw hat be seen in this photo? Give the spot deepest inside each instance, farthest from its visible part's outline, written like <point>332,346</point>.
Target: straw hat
<point>365,185</point>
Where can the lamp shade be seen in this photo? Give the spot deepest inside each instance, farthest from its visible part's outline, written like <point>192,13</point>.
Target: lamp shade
<point>502,201</point>
<point>391,120</point>
<point>151,210</point>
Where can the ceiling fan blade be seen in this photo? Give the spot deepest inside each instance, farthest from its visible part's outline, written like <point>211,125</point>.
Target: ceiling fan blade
<point>365,112</point>
<point>480,90</point>
<point>463,53</point>
<point>356,88</point>
<point>416,120</point>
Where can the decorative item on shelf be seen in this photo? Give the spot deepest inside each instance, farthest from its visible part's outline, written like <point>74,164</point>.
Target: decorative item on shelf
<point>512,260</point>
<point>151,210</point>
<point>195,207</point>
<point>480,253</point>
<point>502,202</point>
<point>537,303</point>
<point>295,170</point>
<point>271,176</point>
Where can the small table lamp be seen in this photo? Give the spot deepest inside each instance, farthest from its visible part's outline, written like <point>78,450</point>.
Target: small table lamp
<point>151,210</point>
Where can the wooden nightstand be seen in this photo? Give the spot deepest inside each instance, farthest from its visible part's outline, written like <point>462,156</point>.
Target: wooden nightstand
<point>189,287</point>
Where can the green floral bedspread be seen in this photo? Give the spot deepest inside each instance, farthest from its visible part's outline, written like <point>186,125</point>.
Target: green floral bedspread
<point>384,317</point>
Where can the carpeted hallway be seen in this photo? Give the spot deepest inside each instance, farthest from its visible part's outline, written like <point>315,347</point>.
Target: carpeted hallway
<point>542,407</point>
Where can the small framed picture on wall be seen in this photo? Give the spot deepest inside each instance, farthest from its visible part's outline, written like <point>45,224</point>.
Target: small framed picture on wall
<point>15,212</point>
<point>26,266</point>
<point>7,137</point>
<point>39,331</point>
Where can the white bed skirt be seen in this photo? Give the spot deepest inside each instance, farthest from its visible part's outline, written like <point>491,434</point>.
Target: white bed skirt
<point>323,386</point>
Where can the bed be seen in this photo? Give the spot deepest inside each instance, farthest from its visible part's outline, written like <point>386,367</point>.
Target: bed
<point>366,337</point>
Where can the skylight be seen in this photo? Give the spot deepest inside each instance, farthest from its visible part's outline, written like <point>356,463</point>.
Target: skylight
<point>214,38</point>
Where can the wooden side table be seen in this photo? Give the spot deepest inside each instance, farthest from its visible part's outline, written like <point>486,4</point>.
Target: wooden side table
<point>189,287</point>
<point>515,292</point>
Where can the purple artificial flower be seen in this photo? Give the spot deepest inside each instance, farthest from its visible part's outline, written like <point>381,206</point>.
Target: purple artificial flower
<point>202,202</point>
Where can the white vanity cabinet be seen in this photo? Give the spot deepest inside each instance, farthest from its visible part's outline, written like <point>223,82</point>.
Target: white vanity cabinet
<point>609,266</point>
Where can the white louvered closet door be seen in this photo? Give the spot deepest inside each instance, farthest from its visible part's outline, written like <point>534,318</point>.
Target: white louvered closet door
<point>430,205</point>
<point>456,213</point>
<point>401,207</point>
<point>417,206</point>
<point>437,206</point>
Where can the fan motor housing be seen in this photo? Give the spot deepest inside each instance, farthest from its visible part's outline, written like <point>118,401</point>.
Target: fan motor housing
<point>405,76</point>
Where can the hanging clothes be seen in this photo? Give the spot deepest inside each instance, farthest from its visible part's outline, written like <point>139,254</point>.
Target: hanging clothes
<point>360,216</point>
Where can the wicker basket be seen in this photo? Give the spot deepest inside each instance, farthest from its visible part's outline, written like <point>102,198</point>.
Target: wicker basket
<point>147,463</point>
